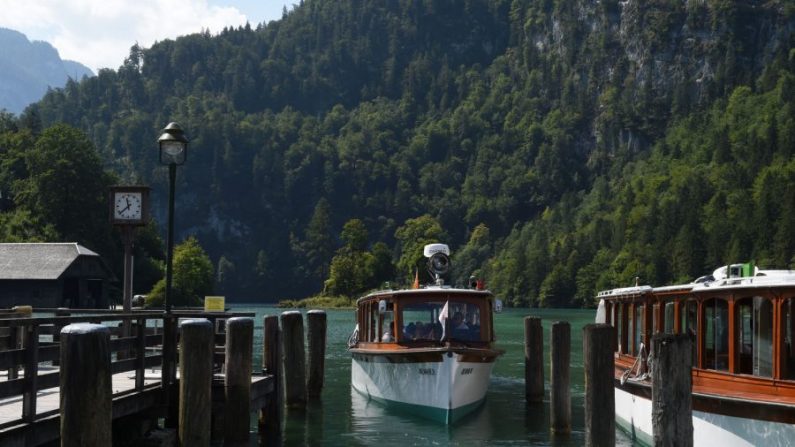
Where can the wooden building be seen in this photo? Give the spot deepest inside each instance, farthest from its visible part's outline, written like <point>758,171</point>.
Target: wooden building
<point>53,275</point>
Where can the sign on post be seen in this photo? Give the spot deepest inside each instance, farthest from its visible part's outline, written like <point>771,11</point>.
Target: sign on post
<point>214,303</point>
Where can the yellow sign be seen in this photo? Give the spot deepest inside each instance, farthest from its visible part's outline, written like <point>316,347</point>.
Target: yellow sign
<point>214,303</point>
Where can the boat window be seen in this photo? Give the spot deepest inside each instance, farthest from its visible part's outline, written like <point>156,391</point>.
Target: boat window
<point>421,321</point>
<point>639,328</point>
<point>743,342</point>
<point>386,332</point>
<point>622,327</point>
<point>689,325</point>
<point>464,323</point>
<point>788,338</point>
<point>716,334</point>
<point>372,320</point>
<point>669,317</point>
<point>763,337</point>
<point>657,327</point>
<point>754,336</point>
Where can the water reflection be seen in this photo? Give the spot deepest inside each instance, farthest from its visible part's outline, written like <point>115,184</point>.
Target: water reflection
<point>372,422</point>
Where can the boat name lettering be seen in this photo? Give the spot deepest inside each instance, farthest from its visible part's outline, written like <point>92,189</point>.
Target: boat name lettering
<point>466,371</point>
<point>428,371</point>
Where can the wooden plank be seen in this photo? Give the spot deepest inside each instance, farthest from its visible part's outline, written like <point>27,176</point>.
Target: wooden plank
<point>31,373</point>
<point>140,354</point>
<point>11,358</point>
<point>11,388</point>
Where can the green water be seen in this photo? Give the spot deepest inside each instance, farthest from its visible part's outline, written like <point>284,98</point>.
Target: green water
<point>345,418</point>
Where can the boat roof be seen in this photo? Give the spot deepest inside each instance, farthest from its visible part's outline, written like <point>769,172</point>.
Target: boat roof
<point>427,290</point>
<point>762,279</point>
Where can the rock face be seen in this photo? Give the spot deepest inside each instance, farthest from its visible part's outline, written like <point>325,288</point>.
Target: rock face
<point>671,57</point>
<point>28,69</point>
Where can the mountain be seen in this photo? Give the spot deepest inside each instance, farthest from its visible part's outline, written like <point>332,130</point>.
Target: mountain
<point>561,146</point>
<point>28,69</point>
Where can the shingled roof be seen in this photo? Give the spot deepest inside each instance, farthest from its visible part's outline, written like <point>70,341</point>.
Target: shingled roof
<point>39,261</point>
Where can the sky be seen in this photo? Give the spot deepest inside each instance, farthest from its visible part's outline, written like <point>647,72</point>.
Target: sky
<point>99,33</point>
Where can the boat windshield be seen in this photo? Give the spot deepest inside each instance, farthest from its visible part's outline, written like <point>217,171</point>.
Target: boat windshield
<point>437,320</point>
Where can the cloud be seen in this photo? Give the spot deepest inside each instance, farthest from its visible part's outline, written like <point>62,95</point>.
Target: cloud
<point>99,33</point>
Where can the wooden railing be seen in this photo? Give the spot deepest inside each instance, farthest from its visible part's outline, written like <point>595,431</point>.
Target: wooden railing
<point>151,342</point>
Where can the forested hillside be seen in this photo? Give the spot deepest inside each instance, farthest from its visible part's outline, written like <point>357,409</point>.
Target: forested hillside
<point>558,146</point>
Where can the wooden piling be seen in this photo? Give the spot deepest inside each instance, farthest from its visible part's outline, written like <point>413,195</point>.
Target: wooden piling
<point>237,387</point>
<point>316,341</point>
<point>270,415</point>
<point>168,372</point>
<point>85,386</point>
<point>600,404</point>
<point>560,394</point>
<point>195,383</point>
<point>533,359</point>
<point>56,331</point>
<point>671,398</point>
<point>294,358</point>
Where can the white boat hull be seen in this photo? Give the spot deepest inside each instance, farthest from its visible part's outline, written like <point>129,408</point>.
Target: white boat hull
<point>444,388</point>
<point>633,415</point>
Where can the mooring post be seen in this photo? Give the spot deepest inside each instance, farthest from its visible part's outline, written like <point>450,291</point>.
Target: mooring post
<point>294,358</point>
<point>671,398</point>
<point>86,396</point>
<point>237,386</point>
<point>316,341</point>
<point>195,383</point>
<point>533,359</point>
<point>560,399</point>
<point>270,415</point>
<point>56,328</point>
<point>600,399</point>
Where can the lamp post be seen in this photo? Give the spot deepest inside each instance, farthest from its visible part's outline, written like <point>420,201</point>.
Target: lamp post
<point>173,152</point>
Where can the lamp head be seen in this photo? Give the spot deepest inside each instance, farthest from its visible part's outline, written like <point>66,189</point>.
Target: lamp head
<point>173,145</point>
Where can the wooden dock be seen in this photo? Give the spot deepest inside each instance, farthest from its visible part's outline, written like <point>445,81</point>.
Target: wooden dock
<point>144,375</point>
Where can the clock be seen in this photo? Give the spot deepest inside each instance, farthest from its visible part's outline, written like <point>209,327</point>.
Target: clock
<point>129,205</point>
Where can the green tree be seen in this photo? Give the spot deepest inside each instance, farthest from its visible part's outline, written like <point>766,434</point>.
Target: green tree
<point>354,235</point>
<point>351,269</point>
<point>67,187</point>
<point>350,273</point>
<point>226,274</point>
<point>193,277</point>
<point>413,236</point>
<point>320,246</point>
<point>471,257</point>
<point>382,267</point>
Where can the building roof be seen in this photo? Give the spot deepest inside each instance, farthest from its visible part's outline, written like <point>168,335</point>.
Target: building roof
<point>39,260</point>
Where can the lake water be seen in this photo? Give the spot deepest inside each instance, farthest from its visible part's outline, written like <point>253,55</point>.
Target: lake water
<point>345,418</point>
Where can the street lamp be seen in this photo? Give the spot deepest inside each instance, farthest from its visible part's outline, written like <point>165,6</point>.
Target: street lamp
<point>173,152</point>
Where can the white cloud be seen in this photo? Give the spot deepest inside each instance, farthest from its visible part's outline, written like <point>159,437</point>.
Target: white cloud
<point>99,33</point>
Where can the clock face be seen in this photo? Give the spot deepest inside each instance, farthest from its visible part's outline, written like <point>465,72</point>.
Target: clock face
<point>127,206</point>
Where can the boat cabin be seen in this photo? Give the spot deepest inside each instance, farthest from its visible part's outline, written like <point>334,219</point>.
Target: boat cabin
<point>426,316</point>
<point>741,321</point>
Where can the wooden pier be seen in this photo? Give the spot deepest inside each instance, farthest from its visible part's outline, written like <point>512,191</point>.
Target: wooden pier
<point>143,371</point>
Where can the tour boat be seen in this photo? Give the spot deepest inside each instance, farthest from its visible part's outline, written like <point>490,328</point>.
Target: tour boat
<point>742,323</point>
<point>427,350</point>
